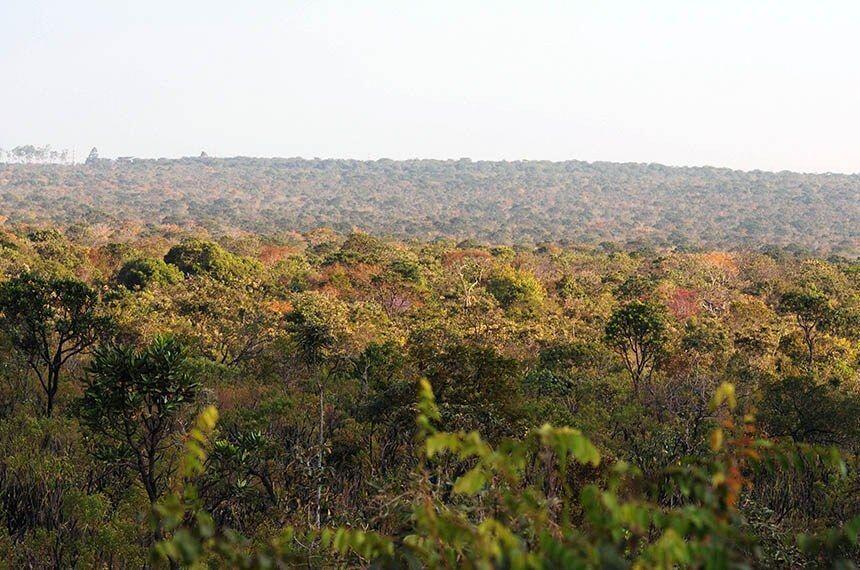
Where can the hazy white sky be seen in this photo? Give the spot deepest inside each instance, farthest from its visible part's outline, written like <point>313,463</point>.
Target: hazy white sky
<point>746,84</point>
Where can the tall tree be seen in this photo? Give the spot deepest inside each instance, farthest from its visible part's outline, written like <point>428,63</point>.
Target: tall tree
<point>49,321</point>
<point>315,326</point>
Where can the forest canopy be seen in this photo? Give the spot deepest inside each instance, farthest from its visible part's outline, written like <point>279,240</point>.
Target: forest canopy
<point>496,202</point>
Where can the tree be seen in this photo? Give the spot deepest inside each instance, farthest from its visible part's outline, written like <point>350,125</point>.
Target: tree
<point>139,273</point>
<point>516,288</point>
<point>810,411</point>
<point>467,269</point>
<point>93,157</point>
<point>196,257</point>
<point>637,332</point>
<point>316,326</point>
<point>134,399</point>
<point>231,323</point>
<point>358,248</point>
<point>25,153</point>
<point>386,397</point>
<point>49,321</point>
<point>398,287</point>
<point>812,311</point>
<point>477,388</point>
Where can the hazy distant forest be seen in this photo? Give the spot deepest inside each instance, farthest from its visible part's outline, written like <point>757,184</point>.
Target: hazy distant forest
<point>253,363</point>
<point>497,202</point>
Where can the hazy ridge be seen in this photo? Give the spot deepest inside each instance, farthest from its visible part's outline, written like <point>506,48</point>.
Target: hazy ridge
<point>522,201</point>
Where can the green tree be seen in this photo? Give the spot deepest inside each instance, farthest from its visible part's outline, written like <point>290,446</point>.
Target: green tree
<point>318,325</point>
<point>49,321</point>
<point>516,288</point>
<point>810,411</point>
<point>386,397</point>
<point>134,399</point>
<point>637,332</point>
<point>358,248</point>
<point>141,272</point>
<point>813,312</point>
<point>196,257</point>
<point>231,322</point>
<point>477,389</point>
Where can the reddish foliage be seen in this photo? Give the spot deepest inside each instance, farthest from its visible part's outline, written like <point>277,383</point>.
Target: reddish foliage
<point>684,303</point>
<point>271,254</point>
<point>458,257</point>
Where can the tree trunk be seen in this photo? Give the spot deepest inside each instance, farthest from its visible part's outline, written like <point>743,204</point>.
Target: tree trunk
<point>51,389</point>
<point>320,452</point>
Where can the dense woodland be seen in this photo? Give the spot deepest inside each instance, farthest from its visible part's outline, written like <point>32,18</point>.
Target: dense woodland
<point>498,202</point>
<point>319,399</point>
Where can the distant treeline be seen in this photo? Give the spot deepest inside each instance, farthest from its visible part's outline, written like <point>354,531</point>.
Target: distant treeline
<point>500,202</point>
<point>31,154</point>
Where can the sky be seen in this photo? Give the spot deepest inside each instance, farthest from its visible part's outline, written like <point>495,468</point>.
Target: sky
<point>770,85</point>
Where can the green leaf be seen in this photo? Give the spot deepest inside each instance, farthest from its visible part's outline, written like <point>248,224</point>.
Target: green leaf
<point>725,393</point>
<point>472,482</point>
<point>442,441</point>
